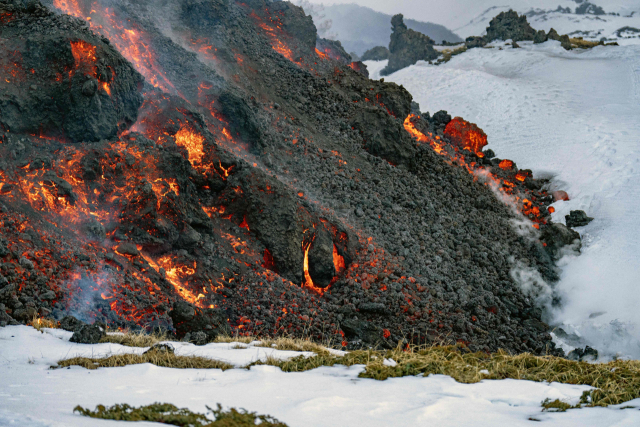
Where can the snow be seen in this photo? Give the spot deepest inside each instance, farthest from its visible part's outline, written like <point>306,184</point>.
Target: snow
<point>471,17</point>
<point>33,395</point>
<point>572,116</point>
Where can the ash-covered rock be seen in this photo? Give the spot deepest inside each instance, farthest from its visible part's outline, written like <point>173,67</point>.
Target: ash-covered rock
<point>407,47</point>
<point>62,80</point>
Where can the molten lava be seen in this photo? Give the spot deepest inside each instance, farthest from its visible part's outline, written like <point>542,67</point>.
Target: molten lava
<point>193,142</point>
<point>338,260</point>
<point>466,135</point>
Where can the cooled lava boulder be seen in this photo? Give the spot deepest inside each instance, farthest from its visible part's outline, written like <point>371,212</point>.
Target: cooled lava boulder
<point>61,80</point>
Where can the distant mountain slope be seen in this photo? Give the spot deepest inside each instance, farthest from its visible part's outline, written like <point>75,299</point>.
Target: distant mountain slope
<point>360,28</point>
<point>590,19</point>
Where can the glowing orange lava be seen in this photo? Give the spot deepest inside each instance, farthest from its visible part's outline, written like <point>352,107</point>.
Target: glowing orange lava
<point>338,260</point>
<point>193,142</point>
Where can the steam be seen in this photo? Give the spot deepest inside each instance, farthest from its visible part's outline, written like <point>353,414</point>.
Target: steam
<point>531,283</point>
<point>89,293</point>
<point>316,11</point>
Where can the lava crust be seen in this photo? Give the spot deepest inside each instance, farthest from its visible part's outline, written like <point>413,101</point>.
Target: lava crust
<point>266,187</point>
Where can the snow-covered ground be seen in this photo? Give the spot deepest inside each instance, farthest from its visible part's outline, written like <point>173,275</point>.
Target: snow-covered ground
<point>471,17</point>
<point>573,116</point>
<point>32,395</point>
<point>544,15</point>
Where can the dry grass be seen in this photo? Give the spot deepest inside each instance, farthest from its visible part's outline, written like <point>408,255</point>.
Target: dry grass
<point>169,414</point>
<point>39,323</point>
<point>580,43</point>
<point>447,54</point>
<point>158,358</point>
<point>615,382</point>
<point>293,344</point>
<point>135,339</point>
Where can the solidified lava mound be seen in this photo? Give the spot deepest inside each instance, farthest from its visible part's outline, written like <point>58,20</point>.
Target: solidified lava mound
<point>265,188</point>
<point>60,79</point>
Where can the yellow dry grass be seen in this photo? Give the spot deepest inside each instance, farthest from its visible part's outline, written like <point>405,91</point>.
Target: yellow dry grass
<point>40,323</point>
<point>158,358</point>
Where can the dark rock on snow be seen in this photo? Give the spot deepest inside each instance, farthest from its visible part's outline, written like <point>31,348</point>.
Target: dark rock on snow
<point>407,47</point>
<point>71,324</point>
<point>88,334</point>
<point>509,25</point>
<point>577,219</point>
<point>378,53</point>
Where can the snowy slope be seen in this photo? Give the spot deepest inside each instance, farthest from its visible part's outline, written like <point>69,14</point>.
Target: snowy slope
<point>544,16</point>
<point>573,116</point>
<point>32,395</point>
<point>471,17</point>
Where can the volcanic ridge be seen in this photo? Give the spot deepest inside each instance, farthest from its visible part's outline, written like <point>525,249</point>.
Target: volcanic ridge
<point>212,166</point>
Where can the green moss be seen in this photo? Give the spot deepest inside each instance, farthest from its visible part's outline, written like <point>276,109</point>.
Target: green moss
<point>555,405</point>
<point>169,414</point>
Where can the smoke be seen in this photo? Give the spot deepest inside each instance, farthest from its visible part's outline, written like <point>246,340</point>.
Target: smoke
<point>531,283</point>
<point>90,293</point>
<point>316,11</point>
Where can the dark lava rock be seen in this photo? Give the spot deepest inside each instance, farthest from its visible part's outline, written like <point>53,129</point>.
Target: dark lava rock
<point>586,354</point>
<point>509,25</point>
<point>407,47</point>
<point>71,324</point>
<point>5,319</point>
<point>557,236</point>
<point>161,348</point>
<point>564,40</point>
<point>587,8</point>
<point>204,324</point>
<point>475,41</point>
<point>334,49</point>
<point>88,334</point>
<point>577,219</point>
<point>540,37</point>
<point>378,53</point>
<point>86,90</point>
<point>366,332</point>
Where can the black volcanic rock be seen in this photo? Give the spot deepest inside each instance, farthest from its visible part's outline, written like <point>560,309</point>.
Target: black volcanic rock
<point>61,79</point>
<point>378,53</point>
<point>509,25</point>
<point>267,189</point>
<point>88,334</point>
<point>188,319</point>
<point>577,219</point>
<point>407,47</point>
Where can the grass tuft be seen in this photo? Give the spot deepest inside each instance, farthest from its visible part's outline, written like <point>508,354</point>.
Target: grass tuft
<point>135,339</point>
<point>614,382</point>
<point>158,358</point>
<point>169,414</point>
<point>40,323</point>
<point>555,405</point>
<point>447,54</point>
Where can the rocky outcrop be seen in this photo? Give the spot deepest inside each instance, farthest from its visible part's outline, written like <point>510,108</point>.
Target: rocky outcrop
<point>509,25</point>
<point>407,47</point>
<point>378,53</point>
